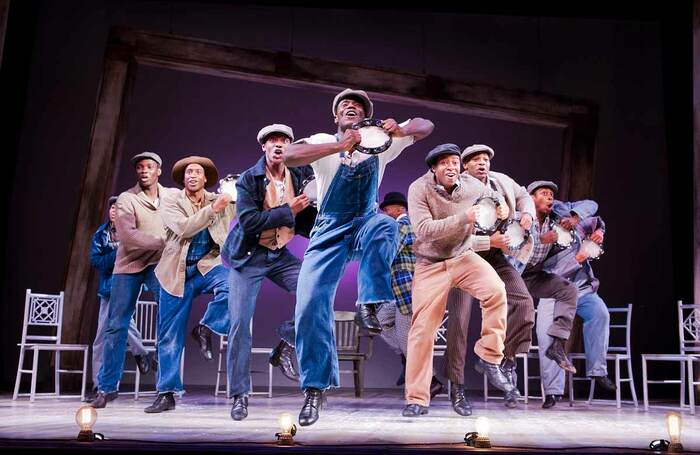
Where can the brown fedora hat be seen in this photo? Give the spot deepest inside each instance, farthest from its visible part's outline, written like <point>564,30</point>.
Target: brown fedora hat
<point>210,171</point>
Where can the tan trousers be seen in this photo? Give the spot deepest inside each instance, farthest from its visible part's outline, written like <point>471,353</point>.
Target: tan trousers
<point>431,283</point>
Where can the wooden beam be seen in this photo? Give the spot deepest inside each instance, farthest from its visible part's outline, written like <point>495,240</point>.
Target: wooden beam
<point>80,307</point>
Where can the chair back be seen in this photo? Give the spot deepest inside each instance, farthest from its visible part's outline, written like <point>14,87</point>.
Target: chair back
<point>43,316</point>
<point>347,333</point>
<point>689,328</point>
<point>620,330</point>
<point>146,318</point>
<point>440,345</point>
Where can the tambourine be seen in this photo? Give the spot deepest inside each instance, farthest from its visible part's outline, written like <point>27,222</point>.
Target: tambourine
<point>565,237</point>
<point>487,221</point>
<point>591,249</point>
<point>517,235</point>
<point>227,185</point>
<point>310,189</point>
<point>375,139</point>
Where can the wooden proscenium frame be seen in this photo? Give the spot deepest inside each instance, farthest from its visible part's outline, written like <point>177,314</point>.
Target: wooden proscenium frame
<point>127,49</point>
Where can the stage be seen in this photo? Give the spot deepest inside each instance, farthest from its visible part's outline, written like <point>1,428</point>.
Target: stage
<point>201,421</point>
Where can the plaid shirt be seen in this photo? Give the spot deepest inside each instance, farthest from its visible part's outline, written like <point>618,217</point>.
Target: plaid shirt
<point>540,250</point>
<point>403,266</point>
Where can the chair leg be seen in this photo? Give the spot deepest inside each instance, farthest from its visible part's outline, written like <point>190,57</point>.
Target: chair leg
<point>630,376</point>
<point>682,385</point>
<point>618,391</point>
<point>449,389</point>
<point>35,366</point>
<point>356,370</point>
<point>526,379</point>
<point>691,388</point>
<point>486,389</point>
<point>18,378</point>
<point>218,374</point>
<point>137,383</point>
<point>57,375</point>
<point>645,384</point>
<point>82,386</point>
<point>591,392</point>
<point>571,388</point>
<point>269,380</point>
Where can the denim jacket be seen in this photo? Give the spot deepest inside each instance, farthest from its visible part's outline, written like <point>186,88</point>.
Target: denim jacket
<point>103,253</point>
<point>243,239</point>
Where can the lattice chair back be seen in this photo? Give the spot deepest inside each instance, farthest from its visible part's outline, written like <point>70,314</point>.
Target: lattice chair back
<point>146,318</point>
<point>42,310</point>
<point>347,334</point>
<point>620,322</point>
<point>441,335</point>
<point>689,328</point>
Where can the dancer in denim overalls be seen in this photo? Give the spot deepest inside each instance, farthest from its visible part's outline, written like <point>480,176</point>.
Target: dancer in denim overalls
<point>347,228</point>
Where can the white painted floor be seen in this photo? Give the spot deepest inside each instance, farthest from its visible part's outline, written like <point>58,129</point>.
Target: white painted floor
<point>374,419</point>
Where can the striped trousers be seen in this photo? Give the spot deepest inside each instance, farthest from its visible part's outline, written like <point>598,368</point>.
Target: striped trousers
<point>521,317</point>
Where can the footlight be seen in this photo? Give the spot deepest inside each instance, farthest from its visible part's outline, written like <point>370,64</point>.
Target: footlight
<point>674,424</point>
<point>85,417</point>
<point>287,430</point>
<point>479,438</point>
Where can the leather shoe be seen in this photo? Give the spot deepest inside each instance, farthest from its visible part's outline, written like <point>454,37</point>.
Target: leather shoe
<point>495,376</point>
<point>202,335</point>
<point>164,402</point>
<point>436,387</point>
<point>281,357</point>
<point>605,383</point>
<point>557,352</point>
<point>414,410</point>
<point>509,370</point>
<point>366,319</point>
<point>313,401</point>
<point>143,362</point>
<point>239,410</point>
<point>102,398</point>
<point>550,400</point>
<point>460,402</point>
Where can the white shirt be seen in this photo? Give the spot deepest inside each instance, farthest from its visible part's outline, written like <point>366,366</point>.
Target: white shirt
<point>325,168</point>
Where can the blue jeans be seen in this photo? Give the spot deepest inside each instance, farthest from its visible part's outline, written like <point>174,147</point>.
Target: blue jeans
<point>173,313</point>
<point>282,268</point>
<point>347,228</point>
<point>122,303</point>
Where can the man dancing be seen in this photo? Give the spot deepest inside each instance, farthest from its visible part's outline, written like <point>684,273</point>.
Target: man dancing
<point>347,227</point>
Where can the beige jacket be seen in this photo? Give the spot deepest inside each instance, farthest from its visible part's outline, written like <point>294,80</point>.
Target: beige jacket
<point>181,224</point>
<point>141,231</point>
<point>518,199</point>
<point>440,219</point>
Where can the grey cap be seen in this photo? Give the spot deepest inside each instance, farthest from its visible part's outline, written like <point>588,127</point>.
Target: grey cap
<point>477,148</point>
<point>440,150</point>
<point>275,128</point>
<point>146,155</point>
<point>111,200</point>
<point>531,188</point>
<point>350,93</point>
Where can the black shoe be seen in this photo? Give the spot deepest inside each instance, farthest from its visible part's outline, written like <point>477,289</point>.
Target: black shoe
<point>366,318</point>
<point>91,395</point>
<point>550,401</point>
<point>313,402</point>
<point>164,402</point>
<point>495,376</point>
<point>239,411</point>
<point>102,399</point>
<point>202,335</point>
<point>460,402</point>
<point>509,370</point>
<point>414,410</point>
<point>143,362</point>
<point>402,377</point>
<point>436,387</point>
<point>281,357</point>
<point>605,382</point>
<point>557,352</point>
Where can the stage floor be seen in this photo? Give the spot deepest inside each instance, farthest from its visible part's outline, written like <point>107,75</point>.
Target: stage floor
<point>373,420</point>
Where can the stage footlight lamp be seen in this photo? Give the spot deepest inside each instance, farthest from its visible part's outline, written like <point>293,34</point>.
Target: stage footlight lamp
<point>674,423</point>
<point>287,430</point>
<point>479,438</point>
<point>86,417</point>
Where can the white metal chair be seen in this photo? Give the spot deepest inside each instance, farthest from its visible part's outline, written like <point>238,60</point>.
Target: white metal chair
<point>620,319</point>
<point>221,368</point>
<point>689,340</point>
<point>146,318</point>
<point>41,331</point>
